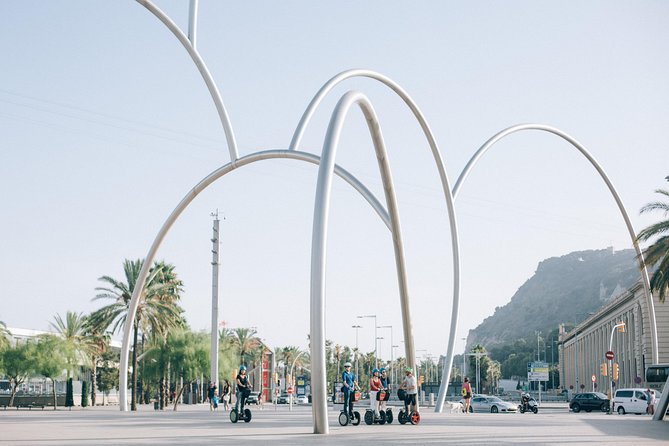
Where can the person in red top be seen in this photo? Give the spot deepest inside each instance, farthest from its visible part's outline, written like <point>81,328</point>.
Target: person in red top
<point>374,387</point>
<point>466,394</point>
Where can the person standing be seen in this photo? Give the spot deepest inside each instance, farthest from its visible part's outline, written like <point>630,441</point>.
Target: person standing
<point>466,394</point>
<point>211,392</point>
<point>651,402</point>
<point>385,386</point>
<point>225,395</point>
<point>374,387</point>
<point>410,386</point>
<point>243,389</point>
<point>348,387</point>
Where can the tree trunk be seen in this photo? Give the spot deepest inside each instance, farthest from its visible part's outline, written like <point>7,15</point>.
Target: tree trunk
<point>94,372</point>
<point>15,386</point>
<point>161,393</point>
<point>133,398</point>
<point>55,400</point>
<point>180,392</point>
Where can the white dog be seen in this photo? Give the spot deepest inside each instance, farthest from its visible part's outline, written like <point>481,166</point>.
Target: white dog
<point>456,406</point>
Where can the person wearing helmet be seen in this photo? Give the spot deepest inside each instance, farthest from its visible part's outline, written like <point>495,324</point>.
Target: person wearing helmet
<point>385,386</point>
<point>411,387</point>
<point>374,387</point>
<point>348,387</point>
<point>243,389</point>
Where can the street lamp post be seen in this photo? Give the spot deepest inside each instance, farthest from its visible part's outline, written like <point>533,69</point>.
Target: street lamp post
<point>376,357</point>
<point>356,350</point>
<point>464,361</point>
<point>621,328</point>
<point>392,367</point>
<point>478,356</point>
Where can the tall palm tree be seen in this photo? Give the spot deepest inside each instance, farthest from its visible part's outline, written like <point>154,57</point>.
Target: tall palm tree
<point>71,331</point>
<point>245,340</point>
<point>157,311</point>
<point>658,252</point>
<point>96,343</point>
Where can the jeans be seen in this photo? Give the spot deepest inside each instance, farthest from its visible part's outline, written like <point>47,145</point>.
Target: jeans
<point>348,402</point>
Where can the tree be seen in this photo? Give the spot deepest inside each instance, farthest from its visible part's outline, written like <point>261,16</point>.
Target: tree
<point>96,343</point>
<point>71,331</point>
<point>69,394</point>
<point>157,311</point>
<point>107,373</point>
<point>5,336</point>
<point>658,252</point>
<point>245,340</point>
<point>50,356</point>
<point>189,356</point>
<point>17,363</point>
<point>84,394</point>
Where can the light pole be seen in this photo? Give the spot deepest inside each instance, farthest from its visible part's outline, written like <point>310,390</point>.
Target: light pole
<point>464,361</point>
<point>478,356</point>
<point>290,408</point>
<point>356,349</point>
<point>376,357</point>
<point>392,367</point>
<point>621,328</point>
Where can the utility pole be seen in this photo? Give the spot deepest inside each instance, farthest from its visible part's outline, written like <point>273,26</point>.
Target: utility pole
<point>214,301</point>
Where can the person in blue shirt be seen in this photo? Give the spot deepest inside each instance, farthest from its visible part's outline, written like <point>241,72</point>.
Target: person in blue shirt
<point>384,386</point>
<point>348,387</point>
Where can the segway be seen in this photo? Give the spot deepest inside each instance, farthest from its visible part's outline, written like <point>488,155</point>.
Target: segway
<point>383,396</point>
<point>345,419</point>
<point>370,418</point>
<point>245,414</point>
<point>403,417</point>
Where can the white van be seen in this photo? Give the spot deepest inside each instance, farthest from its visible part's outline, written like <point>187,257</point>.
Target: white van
<point>630,401</point>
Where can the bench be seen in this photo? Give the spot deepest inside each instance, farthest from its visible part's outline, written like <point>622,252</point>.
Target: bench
<point>29,406</point>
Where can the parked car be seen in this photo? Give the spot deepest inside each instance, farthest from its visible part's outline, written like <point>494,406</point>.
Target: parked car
<point>589,401</point>
<point>630,401</point>
<point>301,399</point>
<point>490,404</point>
<point>284,398</point>
<point>254,398</point>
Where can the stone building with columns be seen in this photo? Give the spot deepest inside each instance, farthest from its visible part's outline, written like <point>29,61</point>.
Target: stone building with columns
<point>582,349</point>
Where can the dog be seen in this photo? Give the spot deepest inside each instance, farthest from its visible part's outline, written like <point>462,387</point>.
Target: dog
<point>456,406</point>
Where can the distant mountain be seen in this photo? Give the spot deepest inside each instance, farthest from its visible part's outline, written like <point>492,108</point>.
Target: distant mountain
<point>562,289</point>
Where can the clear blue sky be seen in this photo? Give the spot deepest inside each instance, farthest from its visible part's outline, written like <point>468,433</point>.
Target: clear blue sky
<point>106,124</point>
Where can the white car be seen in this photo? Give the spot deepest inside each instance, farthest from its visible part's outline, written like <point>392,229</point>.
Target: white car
<point>301,399</point>
<point>491,404</point>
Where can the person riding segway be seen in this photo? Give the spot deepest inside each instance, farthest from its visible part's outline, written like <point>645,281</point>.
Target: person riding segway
<point>373,415</point>
<point>243,392</point>
<point>349,385</point>
<point>409,390</point>
<point>384,395</point>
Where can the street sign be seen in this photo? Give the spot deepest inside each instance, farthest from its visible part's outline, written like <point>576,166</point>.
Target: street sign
<point>609,355</point>
<point>538,371</point>
<point>289,390</point>
<point>593,378</point>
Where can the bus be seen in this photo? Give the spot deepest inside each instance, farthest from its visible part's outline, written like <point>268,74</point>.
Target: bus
<point>656,376</point>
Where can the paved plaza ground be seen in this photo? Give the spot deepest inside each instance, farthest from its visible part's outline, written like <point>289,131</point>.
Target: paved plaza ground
<point>195,425</point>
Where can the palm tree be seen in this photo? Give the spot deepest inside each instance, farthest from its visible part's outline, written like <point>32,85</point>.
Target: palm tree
<point>71,331</point>
<point>5,336</point>
<point>245,340</point>
<point>658,252</point>
<point>157,311</point>
<point>96,343</point>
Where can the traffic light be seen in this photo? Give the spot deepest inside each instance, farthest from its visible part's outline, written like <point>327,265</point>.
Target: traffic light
<point>276,379</point>
<point>615,371</point>
<point>603,370</point>
<point>421,380</point>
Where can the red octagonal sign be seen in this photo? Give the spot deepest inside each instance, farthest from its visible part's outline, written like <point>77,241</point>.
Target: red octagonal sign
<point>609,355</point>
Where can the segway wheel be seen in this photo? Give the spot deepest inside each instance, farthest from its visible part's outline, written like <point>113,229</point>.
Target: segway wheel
<point>389,416</point>
<point>234,416</point>
<point>343,418</point>
<point>369,417</point>
<point>414,418</point>
<point>382,417</point>
<point>535,409</point>
<point>402,417</point>
<point>247,415</point>
<point>356,418</point>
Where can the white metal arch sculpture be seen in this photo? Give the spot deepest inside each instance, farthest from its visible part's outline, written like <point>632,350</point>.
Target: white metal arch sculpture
<point>455,244</point>
<point>185,202</point>
<point>545,128</point>
<point>319,237</point>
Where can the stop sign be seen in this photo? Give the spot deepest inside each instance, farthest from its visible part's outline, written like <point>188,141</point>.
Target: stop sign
<point>289,390</point>
<point>609,355</point>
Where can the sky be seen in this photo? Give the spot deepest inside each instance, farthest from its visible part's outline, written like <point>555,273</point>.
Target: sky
<point>106,124</point>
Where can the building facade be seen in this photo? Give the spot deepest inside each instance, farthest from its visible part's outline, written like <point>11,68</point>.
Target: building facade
<point>582,350</point>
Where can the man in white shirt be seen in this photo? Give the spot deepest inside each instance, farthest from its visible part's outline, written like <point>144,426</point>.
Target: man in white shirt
<point>411,387</point>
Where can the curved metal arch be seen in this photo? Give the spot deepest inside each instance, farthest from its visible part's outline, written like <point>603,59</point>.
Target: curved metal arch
<point>185,202</point>
<point>319,239</point>
<point>455,243</point>
<point>204,71</point>
<point>541,127</point>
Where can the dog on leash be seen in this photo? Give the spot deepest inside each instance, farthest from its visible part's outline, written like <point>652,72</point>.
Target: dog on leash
<point>456,406</point>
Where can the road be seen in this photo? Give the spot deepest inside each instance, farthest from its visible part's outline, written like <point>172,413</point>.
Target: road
<point>196,425</point>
